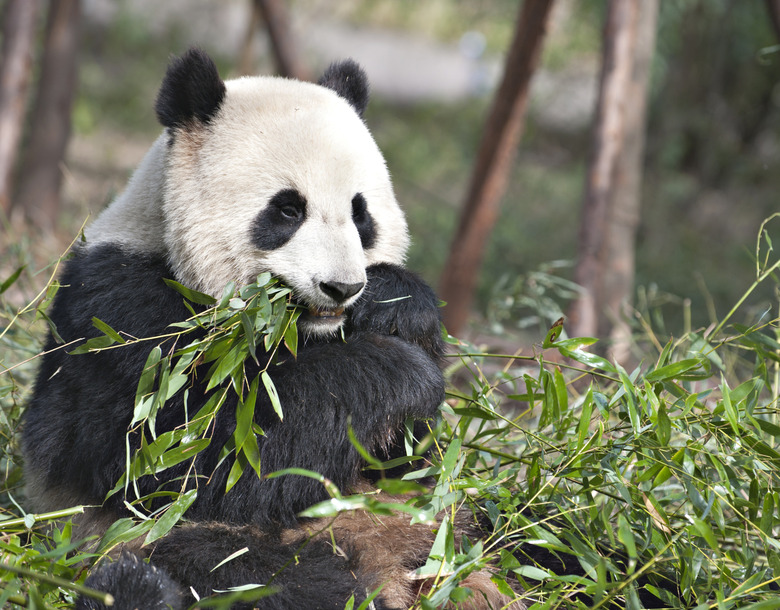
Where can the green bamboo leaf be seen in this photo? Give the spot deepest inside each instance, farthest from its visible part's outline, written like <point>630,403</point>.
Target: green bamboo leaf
<point>191,295</point>
<point>533,572</point>
<point>561,391</point>
<point>672,371</point>
<point>227,364</point>
<point>767,427</point>
<point>583,428</point>
<point>291,334</point>
<point>11,279</point>
<point>182,452</point>
<point>236,470</point>
<point>171,516</point>
<point>552,335</point>
<point>107,330</point>
<point>732,416</point>
<point>122,531</point>
<point>663,426</point>
<point>576,343</point>
<point>249,334</point>
<point>360,449</point>
<point>440,555</point>
<point>95,343</point>
<point>588,359</point>
<point>399,487</point>
<point>149,373</point>
<point>270,388</point>
<point>702,529</point>
<point>767,515</point>
<point>626,536</point>
<point>231,557</point>
<point>450,459</point>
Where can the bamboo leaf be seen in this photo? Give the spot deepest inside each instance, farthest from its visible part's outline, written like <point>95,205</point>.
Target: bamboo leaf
<point>172,516</point>
<point>270,388</point>
<point>199,298</point>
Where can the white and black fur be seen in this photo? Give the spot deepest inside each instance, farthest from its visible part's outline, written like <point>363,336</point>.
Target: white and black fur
<point>250,175</point>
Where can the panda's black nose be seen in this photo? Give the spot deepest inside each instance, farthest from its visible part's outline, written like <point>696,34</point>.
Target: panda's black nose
<point>339,291</point>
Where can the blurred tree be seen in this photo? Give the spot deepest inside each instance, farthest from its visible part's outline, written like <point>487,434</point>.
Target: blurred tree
<point>773,6</point>
<point>620,36</point>
<point>624,203</point>
<point>494,161</point>
<point>286,55</point>
<point>19,19</point>
<point>40,177</point>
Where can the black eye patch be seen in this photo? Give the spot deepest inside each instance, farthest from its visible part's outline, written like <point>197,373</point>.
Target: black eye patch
<point>363,221</point>
<point>279,220</point>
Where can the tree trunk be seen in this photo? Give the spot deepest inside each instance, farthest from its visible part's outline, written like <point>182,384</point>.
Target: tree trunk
<point>18,36</point>
<point>773,6</point>
<point>493,164</point>
<point>288,59</point>
<point>619,41</point>
<point>247,52</point>
<point>41,176</point>
<point>626,198</point>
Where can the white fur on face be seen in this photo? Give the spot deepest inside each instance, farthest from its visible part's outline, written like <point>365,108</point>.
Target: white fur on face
<point>273,134</point>
<point>197,199</point>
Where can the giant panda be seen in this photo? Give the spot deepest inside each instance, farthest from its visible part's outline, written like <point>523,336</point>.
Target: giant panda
<point>251,175</point>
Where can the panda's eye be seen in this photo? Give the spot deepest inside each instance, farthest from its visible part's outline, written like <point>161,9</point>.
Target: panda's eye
<point>290,212</point>
<point>358,207</point>
<point>278,221</point>
<point>290,205</point>
<point>363,221</point>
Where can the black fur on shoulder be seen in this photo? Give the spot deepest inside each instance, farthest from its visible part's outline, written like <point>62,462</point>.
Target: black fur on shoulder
<point>349,80</point>
<point>192,90</point>
<point>134,585</point>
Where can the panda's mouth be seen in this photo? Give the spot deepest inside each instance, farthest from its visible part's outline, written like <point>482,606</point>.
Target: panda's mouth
<point>321,321</point>
<point>319,312</point>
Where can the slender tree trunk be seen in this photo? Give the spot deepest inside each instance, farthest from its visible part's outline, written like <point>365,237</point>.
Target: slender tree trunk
<point>619,40</point>
<point>493,164</point>
<point>247,51</point>
<point>626,197</point>
<point>18,33</point>
<point>288,58</point>
<point>773,6</point>
<point>41,175</point>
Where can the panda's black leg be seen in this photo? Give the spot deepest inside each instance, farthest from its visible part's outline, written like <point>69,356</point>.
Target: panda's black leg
<point>133,584</point>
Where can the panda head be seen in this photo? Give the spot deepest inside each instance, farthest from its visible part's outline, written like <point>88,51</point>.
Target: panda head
<point>271,174</point>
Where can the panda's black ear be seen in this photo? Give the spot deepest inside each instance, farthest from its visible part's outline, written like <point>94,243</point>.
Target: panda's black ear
<point>191,90</point>
<point>349,80</point>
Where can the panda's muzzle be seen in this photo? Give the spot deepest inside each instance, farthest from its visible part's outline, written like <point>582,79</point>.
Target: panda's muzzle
<point>341,292</point>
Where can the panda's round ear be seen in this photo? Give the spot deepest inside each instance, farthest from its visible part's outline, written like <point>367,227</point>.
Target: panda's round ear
<point>349,80</point>
<point>191,90</point>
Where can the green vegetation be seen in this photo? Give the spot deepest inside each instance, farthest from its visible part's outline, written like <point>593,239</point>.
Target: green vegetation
<point>667,471</point>
<point>662,479</point>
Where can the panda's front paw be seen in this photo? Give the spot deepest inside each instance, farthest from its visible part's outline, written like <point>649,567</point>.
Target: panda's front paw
<point>397,302</point>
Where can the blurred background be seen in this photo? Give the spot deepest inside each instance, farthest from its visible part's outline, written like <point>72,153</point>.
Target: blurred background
<point>708,160</point>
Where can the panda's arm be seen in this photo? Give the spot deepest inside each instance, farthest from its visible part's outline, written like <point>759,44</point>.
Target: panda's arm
<point>372,383</point>
<point>398,302</point>
<point>386,371</point>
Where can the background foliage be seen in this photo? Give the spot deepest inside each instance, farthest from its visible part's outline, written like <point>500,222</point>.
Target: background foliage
<point>666,468</point>
<point>664,478</point>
